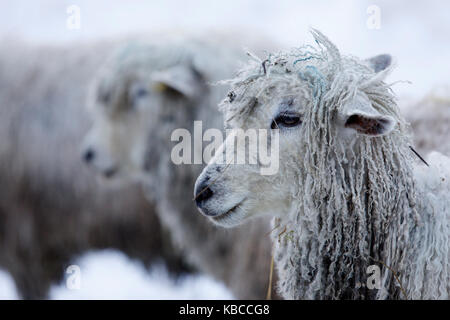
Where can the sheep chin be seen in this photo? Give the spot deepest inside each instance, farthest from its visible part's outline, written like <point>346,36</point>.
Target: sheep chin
<point>232,218</point>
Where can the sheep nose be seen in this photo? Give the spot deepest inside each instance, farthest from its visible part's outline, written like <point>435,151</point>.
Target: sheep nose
<point>203,192</point>
<point>88,155</point>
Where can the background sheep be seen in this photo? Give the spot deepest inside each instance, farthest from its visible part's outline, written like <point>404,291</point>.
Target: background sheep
<point>430,119</point>
<point>51,208</point>
<point>141,95</point>
<point>348,193</point>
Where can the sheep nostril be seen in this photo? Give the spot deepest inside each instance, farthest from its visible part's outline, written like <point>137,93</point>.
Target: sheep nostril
<point>202,193</point>
<point>89,155</point>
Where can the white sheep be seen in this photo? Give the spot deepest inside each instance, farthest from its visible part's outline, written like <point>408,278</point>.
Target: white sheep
<point>350,195</point>
<point>429,118</point>
<point>143,93</point>
<point>51,207</point>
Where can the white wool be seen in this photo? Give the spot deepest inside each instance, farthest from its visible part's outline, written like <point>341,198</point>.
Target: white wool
<point>356,206</point>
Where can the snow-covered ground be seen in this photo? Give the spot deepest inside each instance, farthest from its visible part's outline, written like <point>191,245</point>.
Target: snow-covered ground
<point>7,287</point>
<point>110,274</point>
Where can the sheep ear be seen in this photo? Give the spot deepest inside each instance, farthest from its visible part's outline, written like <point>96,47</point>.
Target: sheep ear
<point>380,62</point>
<point>182,79</point>
<point>360,116</point>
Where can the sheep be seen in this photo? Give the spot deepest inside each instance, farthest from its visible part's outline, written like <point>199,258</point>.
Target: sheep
<point>349,196</point>
<point>145,91</point>
<point>429,119</point>
<point>51,207</point>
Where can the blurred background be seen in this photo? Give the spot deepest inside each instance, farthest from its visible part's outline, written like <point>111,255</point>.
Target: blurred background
<point>416,33</point>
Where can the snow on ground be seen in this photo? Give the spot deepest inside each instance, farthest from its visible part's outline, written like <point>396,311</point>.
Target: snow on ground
<point>7,287</point>
<point>110,274</point>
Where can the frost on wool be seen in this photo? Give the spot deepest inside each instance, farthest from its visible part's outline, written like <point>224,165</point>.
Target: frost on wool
<point>356,205</point>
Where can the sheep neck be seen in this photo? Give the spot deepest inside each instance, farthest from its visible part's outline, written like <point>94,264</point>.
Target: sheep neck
<point>359,215</point>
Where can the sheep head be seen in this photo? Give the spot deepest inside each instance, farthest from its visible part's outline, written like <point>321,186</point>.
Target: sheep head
<point>320,103</point>
<point>139,97</point>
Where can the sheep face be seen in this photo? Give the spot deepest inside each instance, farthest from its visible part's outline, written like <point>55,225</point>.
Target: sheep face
<point>239,191</point>
<point>286,103</point>
<point>134,105</point>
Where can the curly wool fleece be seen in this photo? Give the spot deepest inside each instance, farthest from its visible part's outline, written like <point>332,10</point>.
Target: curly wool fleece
<point>354,207</point>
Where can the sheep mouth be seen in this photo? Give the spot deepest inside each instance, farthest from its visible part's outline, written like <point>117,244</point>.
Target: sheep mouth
<point>109,173</point>
<point>227,214</point>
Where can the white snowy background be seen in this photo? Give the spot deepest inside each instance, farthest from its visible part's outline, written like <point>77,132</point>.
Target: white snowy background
<point>416,33</point>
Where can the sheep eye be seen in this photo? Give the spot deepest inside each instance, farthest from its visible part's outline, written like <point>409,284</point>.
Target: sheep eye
<point>104,97</point>
<point>286,120</point>
<point>137,94</point>
<point>141,92</point>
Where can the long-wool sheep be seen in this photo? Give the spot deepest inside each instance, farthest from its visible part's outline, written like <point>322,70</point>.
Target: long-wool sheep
<point>348,193</point>
<point>143,93</point>
<point>429,119</point>
<point>51,207</point>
